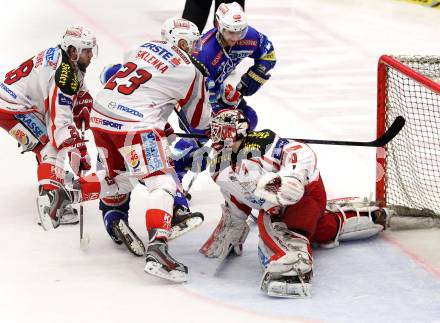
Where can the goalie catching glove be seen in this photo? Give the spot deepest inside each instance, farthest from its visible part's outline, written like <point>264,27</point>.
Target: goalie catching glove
<point>282,188</point>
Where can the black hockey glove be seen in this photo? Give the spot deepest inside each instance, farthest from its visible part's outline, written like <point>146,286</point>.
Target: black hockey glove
<point>252,80</point>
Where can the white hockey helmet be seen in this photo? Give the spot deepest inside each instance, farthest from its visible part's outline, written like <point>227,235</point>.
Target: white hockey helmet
<point>174,29</point>
<point>231,21</point>
<point>80,38</point>
<point>228,125</point>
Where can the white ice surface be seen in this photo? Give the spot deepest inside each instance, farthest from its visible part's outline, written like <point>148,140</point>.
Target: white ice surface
<point>324,86</point>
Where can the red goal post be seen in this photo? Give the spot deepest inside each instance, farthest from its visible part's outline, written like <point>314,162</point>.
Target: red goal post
<point>408,167</point>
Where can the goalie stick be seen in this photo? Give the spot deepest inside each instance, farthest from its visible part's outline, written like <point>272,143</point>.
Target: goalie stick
<point>391,132</point>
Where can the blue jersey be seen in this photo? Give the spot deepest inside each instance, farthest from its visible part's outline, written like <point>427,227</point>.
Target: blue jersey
<point>220,63</point>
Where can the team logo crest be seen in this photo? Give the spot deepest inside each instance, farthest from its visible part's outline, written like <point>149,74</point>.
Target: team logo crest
<point>133,159</point>
<point>20,136</point>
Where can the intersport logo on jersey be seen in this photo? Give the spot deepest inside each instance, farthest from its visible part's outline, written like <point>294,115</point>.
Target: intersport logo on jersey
<point>106,123</point>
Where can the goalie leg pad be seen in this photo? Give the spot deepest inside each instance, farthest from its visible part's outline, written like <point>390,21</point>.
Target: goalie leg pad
<point>231,231</point>
<point>289,287</point>
<point>283,252</point>
<point>358,218</point>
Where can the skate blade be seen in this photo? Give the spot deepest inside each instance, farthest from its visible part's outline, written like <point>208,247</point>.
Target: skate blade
<point>289,290</point>
<point>43,213</point>
<point>190,224</point>
<point>131,241</point>
<point>156,269</point>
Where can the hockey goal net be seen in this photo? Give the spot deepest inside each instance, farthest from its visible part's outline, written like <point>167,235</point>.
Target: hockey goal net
<point>408,172</point>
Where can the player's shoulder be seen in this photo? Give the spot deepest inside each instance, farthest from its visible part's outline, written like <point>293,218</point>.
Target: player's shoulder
<point>253,33</point>
<point>261,140</point>
<point>66,77</point>
<point>48,58</point>
<point>209,36</point>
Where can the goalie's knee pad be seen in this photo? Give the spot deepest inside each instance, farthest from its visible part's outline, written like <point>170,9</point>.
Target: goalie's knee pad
<point>283,252</point>
<point>358,219</point>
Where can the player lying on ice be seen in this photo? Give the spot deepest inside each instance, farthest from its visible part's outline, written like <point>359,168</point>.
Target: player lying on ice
<point>279,177</point>
<point>129,122</point>
<point>42,100</point>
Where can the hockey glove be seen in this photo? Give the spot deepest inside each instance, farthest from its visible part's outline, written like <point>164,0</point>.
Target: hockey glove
<point>79,158</point>
<point>280,188</point>
<point>169,133</point>
<point>81,109</point>
<point>230,96</point>
<point>252,80</point>
<point>108,71</point>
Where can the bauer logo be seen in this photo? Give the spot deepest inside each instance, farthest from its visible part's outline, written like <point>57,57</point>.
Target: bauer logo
<point>64,100</point>
<point>181,23</point>
<point>223,9</point>
<point>74,31</point>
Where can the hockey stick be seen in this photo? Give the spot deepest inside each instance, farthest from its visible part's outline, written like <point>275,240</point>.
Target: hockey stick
<point>391,132</point>
<point>84,239</point>
<point>187,129</point>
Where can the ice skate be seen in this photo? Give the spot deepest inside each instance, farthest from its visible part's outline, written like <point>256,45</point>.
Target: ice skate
<point>124,234</point>
<point>159,263</point>
<point>184,220</point>
<point>52,205</point>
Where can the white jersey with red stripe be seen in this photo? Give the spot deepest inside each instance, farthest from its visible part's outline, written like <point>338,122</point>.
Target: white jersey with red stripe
<point>47,85</point>
<point>261,152</point>
<point>154,78</point>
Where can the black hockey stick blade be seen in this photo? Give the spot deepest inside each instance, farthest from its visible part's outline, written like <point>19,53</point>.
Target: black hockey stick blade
<point>391,132</point>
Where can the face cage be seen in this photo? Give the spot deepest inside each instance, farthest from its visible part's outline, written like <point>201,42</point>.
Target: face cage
<point>195,46</point>
<point>80,49</point>
<point>222,132</point>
